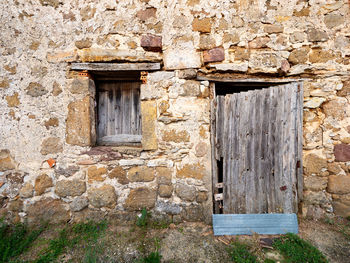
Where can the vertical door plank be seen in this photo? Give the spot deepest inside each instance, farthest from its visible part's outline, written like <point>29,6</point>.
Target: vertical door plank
<point>286,148</point>
<point>300,179</point>
<point>220,120</point>
<point>102,113</point>
<point>251,199</point>
<point>270,187</point>
<point>118,109</point>
<point>225,114</point>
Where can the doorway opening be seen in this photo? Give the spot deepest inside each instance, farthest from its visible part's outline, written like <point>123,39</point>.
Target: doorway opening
<point>256,147</point>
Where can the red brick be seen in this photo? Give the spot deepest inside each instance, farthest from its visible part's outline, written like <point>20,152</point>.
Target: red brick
<point>342,152</point>
<point>151,43</point>
<point>214,55</point>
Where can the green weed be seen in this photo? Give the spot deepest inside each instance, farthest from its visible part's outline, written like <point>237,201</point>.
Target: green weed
<point>15,239</point>
<point>142,221</point>
<point>70,237</point>
<point>296,250</point>
<point>240,253</point>
<point>154,257</point>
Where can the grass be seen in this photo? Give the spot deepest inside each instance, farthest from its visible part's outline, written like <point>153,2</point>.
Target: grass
<point>15,240</point>
<point>240,253</point>
<point>295,249</point>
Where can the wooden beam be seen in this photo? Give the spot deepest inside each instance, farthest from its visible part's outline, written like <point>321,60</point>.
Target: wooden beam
<point>250,80</point>
<point>115,66</point>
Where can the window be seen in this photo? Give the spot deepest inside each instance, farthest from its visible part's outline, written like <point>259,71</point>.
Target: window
<point>118,112</point>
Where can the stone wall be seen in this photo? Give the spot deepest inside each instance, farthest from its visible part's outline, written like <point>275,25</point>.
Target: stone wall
<point>48,168</point>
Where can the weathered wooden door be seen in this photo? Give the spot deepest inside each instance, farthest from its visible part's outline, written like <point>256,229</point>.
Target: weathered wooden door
<point>258,137</point>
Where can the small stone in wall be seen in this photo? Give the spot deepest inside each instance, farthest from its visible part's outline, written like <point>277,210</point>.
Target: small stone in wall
<point>335,108</point>
<point>319,55</point>
<point>214,55</point>
<point>42,183</point>
<point>87,12</point>
<point>195,171</point>
<point>165,190</point>
<point>176,136</point>
<point>139,198</point>
<point>120,174</point>
<point>231,39</point>
<point>297,37</point>
<point>147,13</point>
<point>52,122</point>
<point>190,88</point>
<point>15,205</point>
<point>95,174</point>
<point>79,203</point>
<point>339,184</point>
<point>186,192</point>
<point>35,89</point>
<point>12,70</point>
<point>70,188</point>
<point>80,86</point>
<point>316,35</point>
<point>56,89</point>
<point>315,183</point>
<point>237,22</point>
<point>26,191</point>
<point>51,145</point>
<point>345,91</point>
<point>258,42</point>
<point>187,74</point>
<point>342,152</point>
<point>342,208</point>
<point>299,55</point>
<point>193,213</point>
<point>201,149</point>
<point>163,106</point>
<point>315,198</point>
<point>6,162</point>
<point>141,174</point>
<point>202,197</point>
<point>273,29</point>
<point>164,175</point>
<point>48,210</point>
<point>13,101</point>
<point>333,20</point>
<point>334,168</point>
<point>103,196</point>
<point>313,164</point>
<point>53,3</point>
<point>303,12</point>
<point>151,43</point>
<point>4,83</point>
<point>83,43</point>
<point>168,208</point>
<point>201,25</point>
<point>206,41</point>
<point>314,102</point>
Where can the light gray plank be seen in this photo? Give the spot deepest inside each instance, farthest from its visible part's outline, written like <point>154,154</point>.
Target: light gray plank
<point>300,100</point>
<point>115,66</point>
<point>248,224</point>
<point>102,113</point>
<point>120,138</point>
<point>225,114</point>
<point>250,154</point>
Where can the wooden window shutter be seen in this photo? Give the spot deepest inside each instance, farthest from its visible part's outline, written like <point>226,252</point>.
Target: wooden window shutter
<point>118,112</point>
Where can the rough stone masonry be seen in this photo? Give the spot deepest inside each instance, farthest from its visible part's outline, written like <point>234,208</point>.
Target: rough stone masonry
<point>49,167</point>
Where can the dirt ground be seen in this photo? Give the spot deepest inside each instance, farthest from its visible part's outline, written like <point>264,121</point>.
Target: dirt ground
<point>193,242</point>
